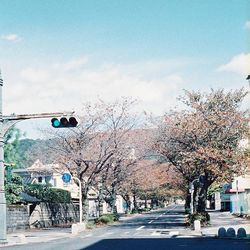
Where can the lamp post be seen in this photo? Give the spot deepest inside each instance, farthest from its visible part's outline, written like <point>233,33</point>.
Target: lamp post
<point>192,195</point>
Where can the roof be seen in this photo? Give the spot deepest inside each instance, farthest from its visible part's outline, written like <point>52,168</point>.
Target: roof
<point>38,166</point>
<point>230,190</point>
<point>28,198</point>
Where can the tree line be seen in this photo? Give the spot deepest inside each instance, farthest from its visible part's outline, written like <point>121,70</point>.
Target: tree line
<point>115,151</point>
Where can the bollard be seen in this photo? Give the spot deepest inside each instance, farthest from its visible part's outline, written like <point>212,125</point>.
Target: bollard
<point>230,232</point>
<point>78,228</point>
<point>241,233</point>
<point>197,225</point>
<point>222,232</point>
<point>21,239</point>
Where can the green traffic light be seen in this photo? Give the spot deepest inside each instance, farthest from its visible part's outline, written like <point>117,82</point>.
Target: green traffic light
<point>64,122</point>
<point>55,122</point>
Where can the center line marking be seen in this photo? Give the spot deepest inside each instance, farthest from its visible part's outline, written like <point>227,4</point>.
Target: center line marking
<point>150,222</point>
<point>139,228</point>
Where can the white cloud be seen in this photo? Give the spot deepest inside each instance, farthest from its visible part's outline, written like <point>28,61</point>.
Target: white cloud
<point>11,37</point>
<point>52,88</point>
<point>72,65</point>
<point>239,64</point>
<point>35,75</point>
<point>247,25</point>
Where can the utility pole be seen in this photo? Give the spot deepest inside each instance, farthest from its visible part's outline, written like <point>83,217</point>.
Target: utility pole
<point>6,122</point>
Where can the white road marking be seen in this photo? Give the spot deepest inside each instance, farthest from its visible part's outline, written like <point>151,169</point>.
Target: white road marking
<point>173,233</point>
<point>155,233</point>
<point>150,221</point>
<point>126,232</point>
<point>161,215</point>
<point>139,228</point>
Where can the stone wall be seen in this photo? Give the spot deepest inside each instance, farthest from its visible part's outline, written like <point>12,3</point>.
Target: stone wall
<point>51,214</point>
<point>22,217</point>
<point>17,218</point>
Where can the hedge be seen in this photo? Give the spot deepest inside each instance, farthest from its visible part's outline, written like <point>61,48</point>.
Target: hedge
<point>46,193</point>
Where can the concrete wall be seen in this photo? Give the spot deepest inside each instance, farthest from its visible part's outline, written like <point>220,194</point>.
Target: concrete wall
<point>48,214</point>
<point>17,218</point>
<point>22,217</point>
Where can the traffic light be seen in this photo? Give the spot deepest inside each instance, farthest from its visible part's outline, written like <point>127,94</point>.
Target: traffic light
<point>64,122</point>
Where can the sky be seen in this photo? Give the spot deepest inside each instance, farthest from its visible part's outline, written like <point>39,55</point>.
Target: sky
<point>56,55</point>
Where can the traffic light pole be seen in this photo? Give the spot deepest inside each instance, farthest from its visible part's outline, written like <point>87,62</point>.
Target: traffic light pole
<point>6,122</point>
<point>3,238</point>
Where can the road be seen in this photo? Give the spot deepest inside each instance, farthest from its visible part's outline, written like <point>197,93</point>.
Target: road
<point>158,230</point>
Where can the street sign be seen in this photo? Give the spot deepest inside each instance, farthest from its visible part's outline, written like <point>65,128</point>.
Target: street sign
<point>202,179</point>
<point>66,177</point>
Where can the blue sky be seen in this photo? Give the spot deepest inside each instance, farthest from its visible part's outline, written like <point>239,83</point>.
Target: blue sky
<point>55,55</point>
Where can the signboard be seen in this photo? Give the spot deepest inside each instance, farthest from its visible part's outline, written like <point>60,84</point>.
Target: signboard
<point>202,179</point>
<point>66,177</point>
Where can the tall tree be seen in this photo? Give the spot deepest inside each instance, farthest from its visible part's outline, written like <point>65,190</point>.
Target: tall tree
<point>13,183</point>
<point>11,143</point>
<point>96,144</point>
<point>204,138</point>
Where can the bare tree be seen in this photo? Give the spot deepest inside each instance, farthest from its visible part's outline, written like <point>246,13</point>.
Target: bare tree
<point>98,143</point>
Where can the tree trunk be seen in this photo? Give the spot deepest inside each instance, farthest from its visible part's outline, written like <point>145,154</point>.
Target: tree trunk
<point>113,199</point>
<point>202,199</point>
<point>128,202</point>
<point>100,203</point>
<point>85,207</point>
<point>187,199</point>
<point>195,199</point>
<point>135,202</point>
<point>145,202</point>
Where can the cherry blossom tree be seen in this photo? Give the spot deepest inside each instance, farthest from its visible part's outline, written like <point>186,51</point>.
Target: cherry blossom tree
<point>204,138</point>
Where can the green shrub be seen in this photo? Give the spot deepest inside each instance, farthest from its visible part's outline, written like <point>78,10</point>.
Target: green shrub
<point>134,211</point>
<point>90,225</point>
<point>46,193</point>
<point>204,218</point>
<point>13,189</point>
<point>104,219</point>
<point>107,218</point>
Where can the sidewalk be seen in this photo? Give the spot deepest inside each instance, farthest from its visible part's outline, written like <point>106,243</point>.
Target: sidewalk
<point>226,220</point>
<point>37,235</point>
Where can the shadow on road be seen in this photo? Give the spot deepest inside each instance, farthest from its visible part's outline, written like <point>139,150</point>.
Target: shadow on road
<point>170,244</point>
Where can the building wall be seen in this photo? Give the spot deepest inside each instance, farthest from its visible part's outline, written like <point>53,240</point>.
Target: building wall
<point>243,182</point>
<point>240,203</point>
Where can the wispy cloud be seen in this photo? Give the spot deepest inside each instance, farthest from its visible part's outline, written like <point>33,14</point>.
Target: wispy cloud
<point>247,25</point>
<point>238,64</point>
<point>11,37</point>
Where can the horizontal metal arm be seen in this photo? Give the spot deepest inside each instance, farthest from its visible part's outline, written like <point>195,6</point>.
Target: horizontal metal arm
<point>34,116</point>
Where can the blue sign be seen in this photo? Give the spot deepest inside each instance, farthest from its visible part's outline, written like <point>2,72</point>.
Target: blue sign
<point>66,177</point>
<point>202,179</point>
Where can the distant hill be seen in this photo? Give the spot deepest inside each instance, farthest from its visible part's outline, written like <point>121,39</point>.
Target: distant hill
<point>31,150</point>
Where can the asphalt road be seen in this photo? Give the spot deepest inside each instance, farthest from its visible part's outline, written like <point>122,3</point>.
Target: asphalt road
<point>160,230</point>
